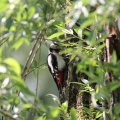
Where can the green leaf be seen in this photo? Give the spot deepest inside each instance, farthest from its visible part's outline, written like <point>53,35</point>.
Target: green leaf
<point>55,113</point>
<point>87,23</point>
<point>117,108</point>
<point>17,101</point>
<point>24,89</point>
<point>28,105</point>
<point>75,53</point>
<point>42,118</point>
<point>35,63</point>
<point>56,35</point>
<point>73,114</point>
<point>60,27</point>
<point>18,43</point>
<point>68,50</point>
<point>3,6</point>
<point>114,57</point>
<point>14,65</point>
<point>98,115</point>
<point>64,106</point>
<point>114,85</point>
<point>31,11</point>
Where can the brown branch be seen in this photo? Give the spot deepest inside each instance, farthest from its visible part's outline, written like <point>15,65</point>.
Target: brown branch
<point>32,61</point>
<point>33,70</point>
<point>4,38</point>
<point>26,70</point>
<point>38,72</point>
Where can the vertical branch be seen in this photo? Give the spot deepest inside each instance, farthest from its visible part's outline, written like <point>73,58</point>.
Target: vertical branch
<point>38,71</point>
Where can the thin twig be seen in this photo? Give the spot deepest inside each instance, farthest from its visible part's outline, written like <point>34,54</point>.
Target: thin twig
<point>32,61</point>
<point>30,55</point>
<point>33,70</point>
<point>38,72</point>
<point>3,41</point>
<point>4,38</point>
<point>78,24</point>
<point>94,103</point>
<point>26,70</point>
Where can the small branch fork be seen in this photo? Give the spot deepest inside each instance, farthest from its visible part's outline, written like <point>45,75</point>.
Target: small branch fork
<point>33,70</point>
<point>33,54</point>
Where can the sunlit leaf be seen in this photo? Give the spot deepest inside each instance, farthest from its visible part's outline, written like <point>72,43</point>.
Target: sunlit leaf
<point>68,50</point>
<point>28,105</point>
<point>87,23</point>
<point>14,65</point>
<point>31,12</point>
<point>98,115</point>
<point>55,113</point>
<point>3,5</point>
<point>41,118</point>
<point>18,43</point>
<point>64,106</point>
<point>73,114</point>
<point>114,57</point>
<point>60,27</point>
<point>17,101</point>
<point>56,35</point>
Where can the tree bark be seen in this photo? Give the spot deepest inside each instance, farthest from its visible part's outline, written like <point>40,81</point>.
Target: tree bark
<point>71,91</point>
<point>112,45</point>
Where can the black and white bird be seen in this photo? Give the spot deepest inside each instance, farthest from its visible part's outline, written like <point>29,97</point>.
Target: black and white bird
<point>56,65</point>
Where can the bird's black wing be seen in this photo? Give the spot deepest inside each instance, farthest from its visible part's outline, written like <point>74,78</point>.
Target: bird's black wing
<point>53,67</point>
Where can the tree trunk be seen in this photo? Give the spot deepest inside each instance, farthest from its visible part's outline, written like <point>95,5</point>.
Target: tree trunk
<point>112,45</point>
<point>82,100</point>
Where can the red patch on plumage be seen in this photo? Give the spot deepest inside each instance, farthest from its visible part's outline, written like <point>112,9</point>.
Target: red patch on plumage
<point>60,78</point>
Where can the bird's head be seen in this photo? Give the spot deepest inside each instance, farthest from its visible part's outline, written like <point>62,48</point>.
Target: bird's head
<point>54,47</point>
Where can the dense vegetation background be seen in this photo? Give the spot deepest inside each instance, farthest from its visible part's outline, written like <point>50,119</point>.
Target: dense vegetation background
<point>88,32</point>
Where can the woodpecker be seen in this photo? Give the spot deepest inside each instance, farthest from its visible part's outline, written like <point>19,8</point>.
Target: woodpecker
<point>56,65</point>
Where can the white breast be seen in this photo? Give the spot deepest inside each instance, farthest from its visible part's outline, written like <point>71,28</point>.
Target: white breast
<point>61,63</point>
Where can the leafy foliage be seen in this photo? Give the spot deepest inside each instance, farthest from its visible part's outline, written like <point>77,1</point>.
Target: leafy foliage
<point>22,22</point>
